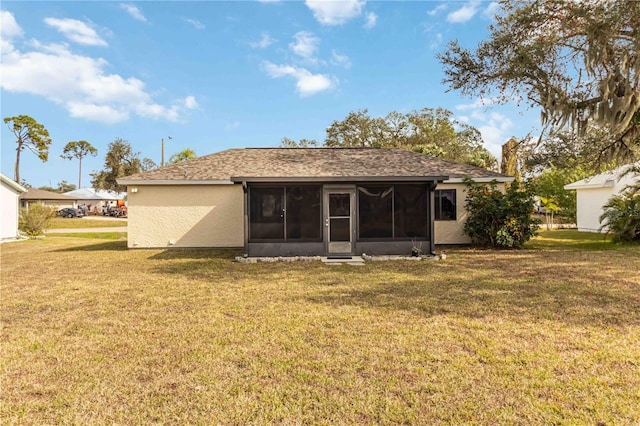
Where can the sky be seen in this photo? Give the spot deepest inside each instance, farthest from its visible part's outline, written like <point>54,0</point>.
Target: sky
<point>214,75</point>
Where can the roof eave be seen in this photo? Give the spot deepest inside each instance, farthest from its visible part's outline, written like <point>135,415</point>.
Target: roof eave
<point>141,182</point>
<point>499,179</point>
<point>13,184</point>
<point>324,179</point>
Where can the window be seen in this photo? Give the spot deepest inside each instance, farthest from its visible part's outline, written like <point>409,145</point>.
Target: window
<point>398,212</point>
<point>266,217</point>
<point>303,213</point>
<point>445,204</point>
<point>375,208</point>
<point>410,211</point>
<point>285,213</point>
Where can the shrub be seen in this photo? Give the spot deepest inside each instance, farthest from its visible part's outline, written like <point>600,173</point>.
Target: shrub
<point>498,219</point>
<point>36,219</point>
<point>621,215</point>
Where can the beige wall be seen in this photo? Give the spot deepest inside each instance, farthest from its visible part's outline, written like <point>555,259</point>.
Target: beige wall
<point>451,231</point>
<point>185,216</point>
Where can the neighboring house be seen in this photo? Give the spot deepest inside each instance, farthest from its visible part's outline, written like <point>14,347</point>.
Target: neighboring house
<point>9,193</point>
<point>94,199</point>
<point>46,198</point>
<point>303,201</point>
<point>594,192</point>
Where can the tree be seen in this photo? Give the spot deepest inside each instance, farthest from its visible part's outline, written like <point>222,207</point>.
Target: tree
<point>357,130</point>
<point>303,143</point>
<point>120,161</point>
<point>30,134</point>
<point>429,131</point>
<point>577,60</point>
<point>79,150</point>
<point>549,185</point>
<point>497,219</point>
<point>621,215</point>
<point>64,186</point>
<point>184,155</point>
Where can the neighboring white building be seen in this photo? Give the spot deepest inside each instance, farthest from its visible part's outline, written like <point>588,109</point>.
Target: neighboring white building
<point>10,210</point>
<point>595,191</point>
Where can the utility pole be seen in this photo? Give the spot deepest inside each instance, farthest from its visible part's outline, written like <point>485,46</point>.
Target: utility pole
<point>162,160</point>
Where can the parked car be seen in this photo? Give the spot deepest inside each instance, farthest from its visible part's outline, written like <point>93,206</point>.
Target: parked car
<point>69,212</point>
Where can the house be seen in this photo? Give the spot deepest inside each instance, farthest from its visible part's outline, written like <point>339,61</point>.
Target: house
<point>303,201</point>
<point>593,193</point>
<point>46,198</point>
<point>94,199</point>
<point>9,192</point>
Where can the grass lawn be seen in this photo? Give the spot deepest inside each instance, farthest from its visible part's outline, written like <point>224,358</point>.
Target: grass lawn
<point>93,333</point>
<point>85,222</point>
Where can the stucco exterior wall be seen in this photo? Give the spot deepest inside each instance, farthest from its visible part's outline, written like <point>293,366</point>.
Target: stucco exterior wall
<point>589,202</point>
<point>185,216</point>
<point>9,212</point>
<point>451,231</point>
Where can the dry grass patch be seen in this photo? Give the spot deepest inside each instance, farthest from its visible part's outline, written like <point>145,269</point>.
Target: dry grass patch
<point>93,333</point>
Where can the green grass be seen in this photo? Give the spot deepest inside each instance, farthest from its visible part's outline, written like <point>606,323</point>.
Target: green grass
<point>93,333</point>
<point>572,240</point>
<point>86,222</point>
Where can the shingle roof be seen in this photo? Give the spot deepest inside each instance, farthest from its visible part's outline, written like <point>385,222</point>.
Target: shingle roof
<point>40,194</point>
<point>310,163</point>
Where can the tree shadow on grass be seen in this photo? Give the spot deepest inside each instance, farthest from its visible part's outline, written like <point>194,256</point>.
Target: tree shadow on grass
<point>204,253</point>
<point>106,246</point>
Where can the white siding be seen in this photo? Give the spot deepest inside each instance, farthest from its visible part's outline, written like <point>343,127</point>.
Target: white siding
<point>9,220</point>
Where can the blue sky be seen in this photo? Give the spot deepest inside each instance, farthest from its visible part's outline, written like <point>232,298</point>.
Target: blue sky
<point>217,75</point>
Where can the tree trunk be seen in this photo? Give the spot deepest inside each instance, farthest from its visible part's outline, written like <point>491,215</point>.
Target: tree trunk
<point>80,174</point>
<point>16,171</point>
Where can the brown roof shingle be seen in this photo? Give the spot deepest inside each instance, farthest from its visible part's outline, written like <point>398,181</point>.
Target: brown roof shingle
<point>311,163</point>
<point>41,194</point>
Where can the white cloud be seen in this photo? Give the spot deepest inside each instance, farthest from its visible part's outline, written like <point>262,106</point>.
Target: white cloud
<point>330,12</point>
<point>307,84</point>
<point>231,126</point>
<point>76,31</point>
<point>341,60</point>
<point>491,10</point>
<point>82,85</point>
<point>464,14</point>
<point>436,10</point>
<point>133,11</point>
<point>9,28</point>
<point>371,18</point>
<point>196,24</point>
<point>265,41</point>
<point>495,131</point>
<point>493,126</point>
<point>190,102</point>
<point>436,41</point>
<point>305,45</point>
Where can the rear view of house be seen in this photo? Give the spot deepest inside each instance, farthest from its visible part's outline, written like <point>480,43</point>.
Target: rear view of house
<point>303,201</point>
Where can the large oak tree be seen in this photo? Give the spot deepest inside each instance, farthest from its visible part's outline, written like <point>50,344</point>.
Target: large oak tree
<point>579,61</point>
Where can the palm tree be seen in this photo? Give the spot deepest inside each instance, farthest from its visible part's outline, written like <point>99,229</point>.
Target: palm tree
<point>621,215</point>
